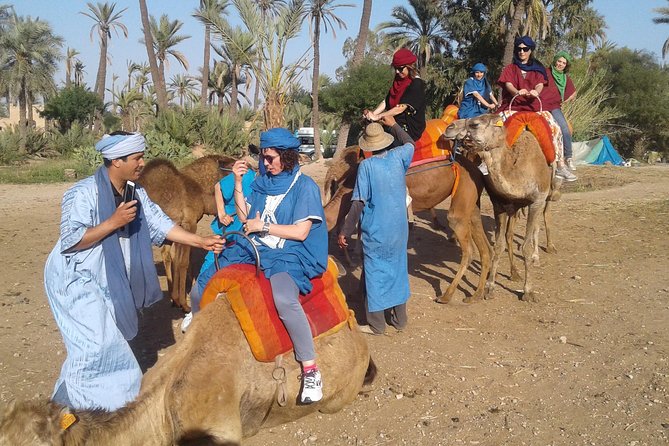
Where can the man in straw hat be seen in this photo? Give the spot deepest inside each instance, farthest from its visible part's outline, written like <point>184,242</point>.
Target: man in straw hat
<point>101,272</point>
<point>379,203</point>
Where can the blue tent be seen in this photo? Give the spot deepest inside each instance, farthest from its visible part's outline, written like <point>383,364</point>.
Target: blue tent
<point>597,151</point>
<point>608,153</point>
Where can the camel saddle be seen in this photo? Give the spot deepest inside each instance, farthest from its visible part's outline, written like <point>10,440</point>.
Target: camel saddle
<point>518,122</point>
<point>250,297</point>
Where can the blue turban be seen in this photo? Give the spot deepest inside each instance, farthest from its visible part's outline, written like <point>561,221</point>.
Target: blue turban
<point>279,139</point>
<point>118,146</point>
<point>479,67</point>
<point>527,40</point>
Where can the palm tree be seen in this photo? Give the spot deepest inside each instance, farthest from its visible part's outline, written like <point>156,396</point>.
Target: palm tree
<point>183,87</point>
<point>158,80</point>
<point>79,73</point>
<point>105,20</point>
<point>588,28</point>
<point>70,60</point>
<point>132,67</point>
<point>208,8</point>
<point>320,12</point>
<point>269,10</point>
<point>358,55</point>
<point>29,57</point>
<point>238,51</point>
<point>510,13</point>
<point>165,38</point>
<point>125,101</point>
<point>220,80</point>
<point>421,31</point>
<point>663,18</point>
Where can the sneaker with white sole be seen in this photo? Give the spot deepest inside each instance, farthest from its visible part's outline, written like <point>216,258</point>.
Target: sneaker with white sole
<point>565,174</point>
<point>188,318</point>
<point>312,387</point>
<point>570,164</point>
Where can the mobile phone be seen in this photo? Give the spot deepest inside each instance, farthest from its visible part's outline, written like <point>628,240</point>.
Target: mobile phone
<point>129,192</point>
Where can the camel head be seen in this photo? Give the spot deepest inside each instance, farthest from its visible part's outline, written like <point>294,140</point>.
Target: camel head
<point>34,423</point>
<point>483,133</point>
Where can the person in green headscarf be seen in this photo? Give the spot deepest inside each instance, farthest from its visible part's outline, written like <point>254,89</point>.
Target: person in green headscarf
<point>559,90</point>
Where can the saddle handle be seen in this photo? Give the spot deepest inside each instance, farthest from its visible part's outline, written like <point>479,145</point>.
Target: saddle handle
<point>255,250</point>
<point>541,104</point>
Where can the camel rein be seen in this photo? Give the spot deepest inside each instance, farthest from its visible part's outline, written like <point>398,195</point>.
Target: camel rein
<point>445,164</point>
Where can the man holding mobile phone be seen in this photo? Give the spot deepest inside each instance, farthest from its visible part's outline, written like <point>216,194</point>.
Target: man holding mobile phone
<point>101,272</point>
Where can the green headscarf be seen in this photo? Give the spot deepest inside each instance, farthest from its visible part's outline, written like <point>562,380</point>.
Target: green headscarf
<point>560,76</point>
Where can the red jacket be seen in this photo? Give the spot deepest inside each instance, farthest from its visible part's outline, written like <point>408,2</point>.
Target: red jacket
<point>550,95</point>
<point>511,73</point>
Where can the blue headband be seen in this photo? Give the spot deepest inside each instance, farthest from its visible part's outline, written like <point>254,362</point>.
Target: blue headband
<point>279,139</point>
<point>479,67</point>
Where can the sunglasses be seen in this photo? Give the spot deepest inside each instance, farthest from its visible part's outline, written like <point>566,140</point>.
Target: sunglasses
<point>269,158</point>
<point>400,68</point>
<point>523,49</point>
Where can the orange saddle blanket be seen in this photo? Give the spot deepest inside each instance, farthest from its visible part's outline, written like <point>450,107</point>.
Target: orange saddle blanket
<point>537,125</point>
<point>430,146</point>
<point>250,297</point>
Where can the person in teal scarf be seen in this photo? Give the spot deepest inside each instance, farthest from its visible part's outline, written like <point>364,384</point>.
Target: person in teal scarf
<point>560,89</point>
<point>477,95</point>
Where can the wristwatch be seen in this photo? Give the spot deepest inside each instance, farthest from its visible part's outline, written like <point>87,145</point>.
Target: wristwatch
<point>265,229</point>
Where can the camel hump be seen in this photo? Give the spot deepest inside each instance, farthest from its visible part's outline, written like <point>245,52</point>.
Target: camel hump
<point>517,123</point>
<point>450,114</point>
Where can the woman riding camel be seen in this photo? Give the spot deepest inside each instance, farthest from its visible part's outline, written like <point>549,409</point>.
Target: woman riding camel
<point>478,97</point>
<point>405,100</point>
<point>559,90</point>
<point>284,218</point>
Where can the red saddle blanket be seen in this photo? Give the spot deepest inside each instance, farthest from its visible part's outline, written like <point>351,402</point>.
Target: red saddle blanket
<point>250,297</point>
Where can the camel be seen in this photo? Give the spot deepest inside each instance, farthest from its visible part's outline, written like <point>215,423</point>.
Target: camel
<point>429,184</point>
<point>185,196</point>
<point>519,177</point>
<point>206,389</point>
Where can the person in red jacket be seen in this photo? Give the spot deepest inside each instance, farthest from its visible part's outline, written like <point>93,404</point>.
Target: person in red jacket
<point>559,90</point>
<point>525,77</point>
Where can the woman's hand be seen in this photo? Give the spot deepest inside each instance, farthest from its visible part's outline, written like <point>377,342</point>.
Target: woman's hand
<point>225,219</point>
<point>253,224</point>
<point>534,93</point>
<point>523,92</point>
<point>341,241</point>
<point>491,107</point>
<point>239,169</point>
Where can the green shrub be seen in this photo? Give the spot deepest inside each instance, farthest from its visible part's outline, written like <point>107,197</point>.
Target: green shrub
<point>76,136</point>
<point>46,171</point>
<point>223,134</point>
<point>161,145</point>
<point>87,156</point>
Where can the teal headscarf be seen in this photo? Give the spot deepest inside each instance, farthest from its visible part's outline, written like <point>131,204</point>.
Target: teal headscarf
<point>560,77</point>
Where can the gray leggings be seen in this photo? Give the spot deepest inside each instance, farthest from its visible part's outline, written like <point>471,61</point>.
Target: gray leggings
<point>286,298</point>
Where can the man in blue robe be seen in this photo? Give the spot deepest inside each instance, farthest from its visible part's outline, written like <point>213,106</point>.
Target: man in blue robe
<point>101,271</point>
<point>380,196</point>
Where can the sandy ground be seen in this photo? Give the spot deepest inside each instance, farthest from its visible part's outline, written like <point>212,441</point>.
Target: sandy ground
<point>587,365</point>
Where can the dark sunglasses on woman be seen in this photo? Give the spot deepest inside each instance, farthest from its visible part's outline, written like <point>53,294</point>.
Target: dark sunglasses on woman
<point>523,49</point>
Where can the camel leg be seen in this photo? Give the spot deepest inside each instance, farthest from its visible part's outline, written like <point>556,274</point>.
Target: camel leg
<point>510,232</point>
<point>483,246</point>
<point>531,234</point>
<point>502,220</point>
<point>548,221</point>
<point>166,254</point>
<point>180,273</point>
<point>461,228</point>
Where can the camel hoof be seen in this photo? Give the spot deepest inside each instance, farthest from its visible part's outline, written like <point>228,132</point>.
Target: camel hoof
<point>472,299</point>
<point>515,276</point>
<point>551,249</point>
<point>444,299</point>
<point>536,262</point>
<point>529,296</point>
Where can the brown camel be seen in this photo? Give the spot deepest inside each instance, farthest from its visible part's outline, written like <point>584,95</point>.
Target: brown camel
<point>185,196</point>
<point>207,389</point>
<point>429,184</point>
<point>519,177</point>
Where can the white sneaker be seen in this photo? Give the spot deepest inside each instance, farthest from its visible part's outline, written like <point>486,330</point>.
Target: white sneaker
<point>565,174</point>
<point>188,318</point>
<point>312,387</point>
<point>483,167</point>
<point>570,164</point>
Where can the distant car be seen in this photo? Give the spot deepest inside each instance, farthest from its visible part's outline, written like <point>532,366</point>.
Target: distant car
<point>306,137</point>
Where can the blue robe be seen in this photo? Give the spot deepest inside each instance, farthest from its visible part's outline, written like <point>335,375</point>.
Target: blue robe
<point>227,185</point>
<point>381,185</point>
<point>100,370</point>
<point>302,260</point>
<point>470,106</point>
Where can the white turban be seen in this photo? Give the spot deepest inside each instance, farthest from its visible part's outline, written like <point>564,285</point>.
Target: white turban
<point>118,146</point>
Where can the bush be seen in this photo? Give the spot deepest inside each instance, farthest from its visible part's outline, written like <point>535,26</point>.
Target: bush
<point>73,103</point>
<point>76,136</point>
<point>223,134</point>
<point>87,156</point>
<point>162,145</point>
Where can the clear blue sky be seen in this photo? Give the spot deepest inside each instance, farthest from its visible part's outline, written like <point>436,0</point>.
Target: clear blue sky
<point>629,24</point>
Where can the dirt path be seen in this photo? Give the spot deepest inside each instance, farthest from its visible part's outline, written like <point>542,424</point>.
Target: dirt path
<point>587,365</point>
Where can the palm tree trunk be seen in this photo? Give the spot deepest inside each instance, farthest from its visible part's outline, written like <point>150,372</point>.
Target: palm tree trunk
<point>513,31</point>
<point>273,111</point>
<point>158,81</point>
<point>205,66</point>
<point>102,68</point>
<point>23,121</point>
<point>358,55</point>
<point>314,89</point>
<point>256,93</point>
<point>234,91</point>
<point>221,102</point>
<point>68,73</point>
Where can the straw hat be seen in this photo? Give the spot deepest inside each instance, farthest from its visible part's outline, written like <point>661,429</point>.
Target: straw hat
<point>375,138</point>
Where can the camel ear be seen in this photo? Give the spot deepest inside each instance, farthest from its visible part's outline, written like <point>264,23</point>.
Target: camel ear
<point>67,418</point>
